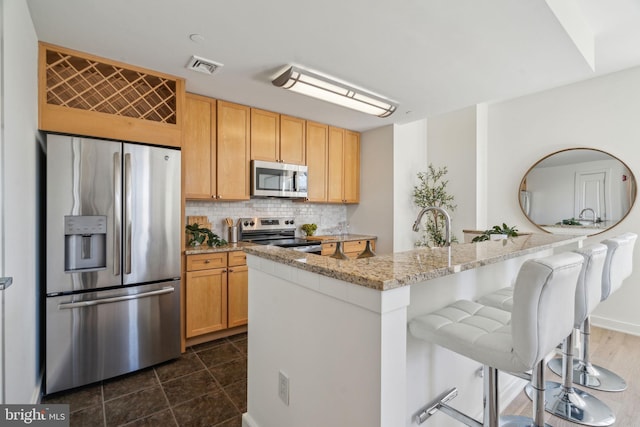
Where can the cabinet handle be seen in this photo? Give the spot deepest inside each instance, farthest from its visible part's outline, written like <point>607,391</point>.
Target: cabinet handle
<point>207,261</point>
<point>231,270</point>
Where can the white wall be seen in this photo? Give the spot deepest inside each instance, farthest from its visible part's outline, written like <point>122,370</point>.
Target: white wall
<point>20,53</point>
<point>452,139</point>
<point>375,212</point>
<point>409,158</point>
<point>600,113</point>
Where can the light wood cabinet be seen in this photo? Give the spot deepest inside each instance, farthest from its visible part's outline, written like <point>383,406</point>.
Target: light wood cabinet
<point>233,151</point>
<point>265,135</point>
<point>351,248</point>
<point>277,138</point>
<point>199,147</point>
<point>292,140</point>
<point>351,168</point>
<point>83,94</point>
<point>206,294</point>
<point>215,149</point>
<point>343,166</point>
<point>216,292</point>
<point>238,289</point>
<point>335,169</point>
<point>317,152</point>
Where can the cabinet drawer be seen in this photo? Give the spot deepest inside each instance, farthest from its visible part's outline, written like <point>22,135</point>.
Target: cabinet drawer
<point>206,261</point>
<point>354,246</point>
<point>237,258</point>
<point>328,248</point>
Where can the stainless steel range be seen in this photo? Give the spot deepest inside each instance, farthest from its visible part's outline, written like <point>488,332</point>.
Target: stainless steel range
<point>277,232</point>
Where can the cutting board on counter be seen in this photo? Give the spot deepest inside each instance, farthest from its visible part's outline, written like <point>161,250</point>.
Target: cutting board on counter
<point>202,221</point>
<point>319,237</point>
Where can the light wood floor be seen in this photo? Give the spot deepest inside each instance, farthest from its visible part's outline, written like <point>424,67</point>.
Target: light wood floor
<point>616,351</point>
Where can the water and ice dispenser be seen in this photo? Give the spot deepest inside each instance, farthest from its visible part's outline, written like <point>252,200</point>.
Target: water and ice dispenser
<point>85,243</point>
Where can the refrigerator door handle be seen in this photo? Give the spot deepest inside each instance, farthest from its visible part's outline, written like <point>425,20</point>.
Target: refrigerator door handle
<point>89,303</point>
<point>117,212</point>
<point>127,213</point>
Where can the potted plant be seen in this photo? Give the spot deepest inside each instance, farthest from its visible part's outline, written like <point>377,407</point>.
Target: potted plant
<point>432,191</point>
<point>199,234</point>
<point>503,232</point>
<point>309,229</point>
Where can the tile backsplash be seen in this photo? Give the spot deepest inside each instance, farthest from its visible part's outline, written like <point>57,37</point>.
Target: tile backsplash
<point>331,219</point>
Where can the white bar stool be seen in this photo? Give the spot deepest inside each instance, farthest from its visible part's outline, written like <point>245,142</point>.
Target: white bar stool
<point>617,267</point>
<point>562,399</point>
<point>542,316</point>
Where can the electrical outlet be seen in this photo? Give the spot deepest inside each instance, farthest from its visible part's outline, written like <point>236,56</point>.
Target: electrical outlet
<point>283,387</point>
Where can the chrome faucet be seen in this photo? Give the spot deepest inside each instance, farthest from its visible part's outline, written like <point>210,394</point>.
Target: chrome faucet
<point>588,209</point>
<point>447,235</point>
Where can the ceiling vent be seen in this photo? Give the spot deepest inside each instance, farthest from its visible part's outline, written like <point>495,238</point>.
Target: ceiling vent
<point>203,65</point>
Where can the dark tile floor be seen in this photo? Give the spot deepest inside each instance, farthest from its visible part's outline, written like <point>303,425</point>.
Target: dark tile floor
<point>206,386</point>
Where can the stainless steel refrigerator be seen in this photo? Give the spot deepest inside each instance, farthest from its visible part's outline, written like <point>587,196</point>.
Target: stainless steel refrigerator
<point>113,259</point>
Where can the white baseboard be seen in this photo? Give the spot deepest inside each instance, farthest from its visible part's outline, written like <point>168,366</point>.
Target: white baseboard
<point>615,325</point>
<point>247,421</point>
<point>509,390</point>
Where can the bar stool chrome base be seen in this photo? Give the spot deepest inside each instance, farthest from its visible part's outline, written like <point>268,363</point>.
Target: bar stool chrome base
<point>588,375</point>
<point>574,405</point>
<point>517,421</point>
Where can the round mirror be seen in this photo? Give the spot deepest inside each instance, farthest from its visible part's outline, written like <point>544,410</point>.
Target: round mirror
<point>577,191</point>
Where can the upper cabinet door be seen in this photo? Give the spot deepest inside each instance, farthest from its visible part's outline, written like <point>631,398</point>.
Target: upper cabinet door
<point>198,147</point>
<point>233,151</point>
<point>292,140</point>
<point>335,166</point>
<point>317,151</point>
<point>351,153</point>
<point>265,135</point>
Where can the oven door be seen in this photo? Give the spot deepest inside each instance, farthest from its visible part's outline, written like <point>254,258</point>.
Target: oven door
<point>271,179</point>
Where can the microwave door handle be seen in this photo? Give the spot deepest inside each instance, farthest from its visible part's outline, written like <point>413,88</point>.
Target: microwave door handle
<point>295,181</point>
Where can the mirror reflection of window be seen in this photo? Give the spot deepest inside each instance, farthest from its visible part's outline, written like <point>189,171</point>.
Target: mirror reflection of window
<point>577,191</point>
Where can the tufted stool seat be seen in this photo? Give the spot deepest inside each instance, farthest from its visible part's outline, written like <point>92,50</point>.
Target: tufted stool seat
<point>542,316</point>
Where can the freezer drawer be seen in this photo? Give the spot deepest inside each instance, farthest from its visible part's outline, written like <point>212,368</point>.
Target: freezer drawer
<point>99,335</point>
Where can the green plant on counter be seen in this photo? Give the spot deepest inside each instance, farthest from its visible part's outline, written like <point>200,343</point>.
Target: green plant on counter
<point>199,234</point>
<point>506,230</point>
<point>432,191</point>
<point>309,229</point>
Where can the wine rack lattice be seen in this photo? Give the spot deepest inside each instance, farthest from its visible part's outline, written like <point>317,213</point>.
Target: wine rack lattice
<point>86,84</point>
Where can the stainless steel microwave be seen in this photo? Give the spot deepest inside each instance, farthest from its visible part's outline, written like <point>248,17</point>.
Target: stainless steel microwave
<point>273,179</point>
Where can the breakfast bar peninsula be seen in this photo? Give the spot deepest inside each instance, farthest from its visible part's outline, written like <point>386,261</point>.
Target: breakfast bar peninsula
<point>328,342</point>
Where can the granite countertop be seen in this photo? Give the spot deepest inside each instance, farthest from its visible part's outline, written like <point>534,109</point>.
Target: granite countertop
<point>195,250</point>
<point>384,272</point>
<point>329,238</point>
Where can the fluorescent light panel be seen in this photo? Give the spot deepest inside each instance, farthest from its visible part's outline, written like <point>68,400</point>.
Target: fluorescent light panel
<point>321,87</point>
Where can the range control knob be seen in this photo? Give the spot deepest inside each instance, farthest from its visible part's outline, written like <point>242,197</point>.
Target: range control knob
<point>246,223</point>
<point>291,222</point>
<point>252,223</point>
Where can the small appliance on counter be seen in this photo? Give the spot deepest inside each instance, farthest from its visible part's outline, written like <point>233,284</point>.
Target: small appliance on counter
<point>277,232</point>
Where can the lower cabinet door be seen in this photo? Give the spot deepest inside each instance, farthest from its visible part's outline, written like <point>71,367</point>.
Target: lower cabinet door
<point>206,301</point>
<point>238,296</point>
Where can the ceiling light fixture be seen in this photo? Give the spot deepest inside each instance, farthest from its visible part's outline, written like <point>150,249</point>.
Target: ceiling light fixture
<point>331,90</point>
